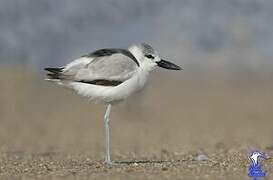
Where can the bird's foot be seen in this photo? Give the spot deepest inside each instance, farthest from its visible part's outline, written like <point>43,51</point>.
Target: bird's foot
<point>109,163</point>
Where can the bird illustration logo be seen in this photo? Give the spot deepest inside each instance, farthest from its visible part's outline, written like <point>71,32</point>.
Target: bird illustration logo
<point>255,168</point>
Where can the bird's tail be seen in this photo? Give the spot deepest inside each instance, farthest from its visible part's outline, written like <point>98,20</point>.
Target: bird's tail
<point>54,73</point>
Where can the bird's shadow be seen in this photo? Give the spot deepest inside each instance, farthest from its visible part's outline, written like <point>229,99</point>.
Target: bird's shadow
<point>145,162</point>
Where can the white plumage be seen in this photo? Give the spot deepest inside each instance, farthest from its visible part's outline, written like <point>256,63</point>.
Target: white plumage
<point>111,94</point>
<point>109,76</point>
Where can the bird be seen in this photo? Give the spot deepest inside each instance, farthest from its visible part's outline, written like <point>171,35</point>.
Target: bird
<point>109,76</point>
<point>255,156</point>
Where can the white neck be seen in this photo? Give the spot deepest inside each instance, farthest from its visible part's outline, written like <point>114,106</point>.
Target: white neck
<point>145,64</point>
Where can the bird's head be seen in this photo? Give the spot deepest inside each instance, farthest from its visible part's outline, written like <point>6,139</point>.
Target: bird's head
<point>256,155</point>
<point>149,58</point>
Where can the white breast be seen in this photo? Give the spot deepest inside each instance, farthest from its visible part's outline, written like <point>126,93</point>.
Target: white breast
<point>110,94</point>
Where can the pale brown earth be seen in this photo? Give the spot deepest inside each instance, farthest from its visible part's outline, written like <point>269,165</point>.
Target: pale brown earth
<point>47,132</point>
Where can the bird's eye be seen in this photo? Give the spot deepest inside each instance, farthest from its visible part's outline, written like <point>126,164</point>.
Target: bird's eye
<point>149,56</point>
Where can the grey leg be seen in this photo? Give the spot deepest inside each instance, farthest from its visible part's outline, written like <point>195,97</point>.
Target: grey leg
<point>107,136</point>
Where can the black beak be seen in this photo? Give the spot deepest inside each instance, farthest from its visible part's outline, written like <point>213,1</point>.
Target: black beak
<point>168,65</point>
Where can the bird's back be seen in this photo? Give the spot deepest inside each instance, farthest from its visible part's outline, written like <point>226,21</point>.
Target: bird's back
<point>109,77</point>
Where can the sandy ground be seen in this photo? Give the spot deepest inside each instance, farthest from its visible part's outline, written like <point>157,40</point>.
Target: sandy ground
<point>47,132</point>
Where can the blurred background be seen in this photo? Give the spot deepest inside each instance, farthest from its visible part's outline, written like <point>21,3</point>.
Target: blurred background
<point>222,100</point>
